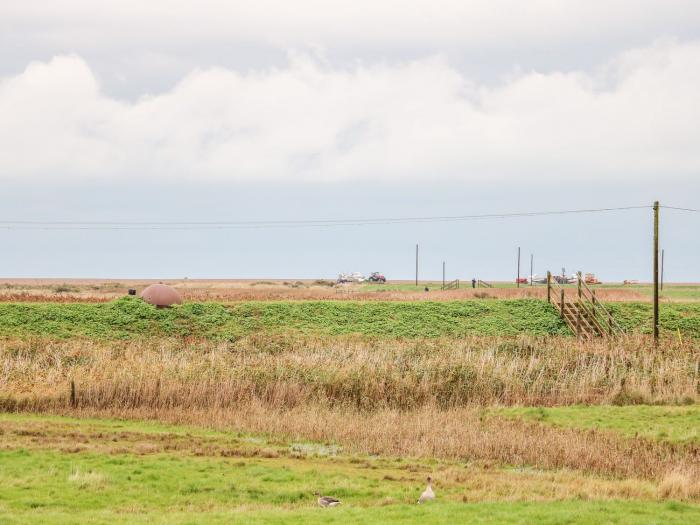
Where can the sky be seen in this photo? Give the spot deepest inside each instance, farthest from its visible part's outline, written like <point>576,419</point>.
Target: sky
<point>273,111</point>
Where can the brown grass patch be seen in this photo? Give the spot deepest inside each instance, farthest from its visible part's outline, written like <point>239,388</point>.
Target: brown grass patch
<point>451,435</point>
<point>286,372</point>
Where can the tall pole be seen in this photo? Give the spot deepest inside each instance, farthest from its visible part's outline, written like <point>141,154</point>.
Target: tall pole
<point>656,271</point>
<point>416,265</point>
<point>517,280</point>
<point>661,284</point>
<point>532,258</point>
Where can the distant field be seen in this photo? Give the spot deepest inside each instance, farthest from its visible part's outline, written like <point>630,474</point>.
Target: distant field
<point>130,317</point>
<point>195,290</point>
<point>59,470</point>
<point>672,292</point>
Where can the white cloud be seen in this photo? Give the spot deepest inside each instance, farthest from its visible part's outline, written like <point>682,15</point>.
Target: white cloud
<point>421,119</point>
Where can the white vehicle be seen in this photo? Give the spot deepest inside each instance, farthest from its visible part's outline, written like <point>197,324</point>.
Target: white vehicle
<point>354,277</point>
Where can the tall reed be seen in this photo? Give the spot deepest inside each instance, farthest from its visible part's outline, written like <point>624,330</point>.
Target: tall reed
<point>286,372</point>
<point>417,398</point>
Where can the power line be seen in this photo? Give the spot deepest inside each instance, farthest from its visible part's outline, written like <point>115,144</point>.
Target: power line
<point>681,209</point>
<point>323,223</point>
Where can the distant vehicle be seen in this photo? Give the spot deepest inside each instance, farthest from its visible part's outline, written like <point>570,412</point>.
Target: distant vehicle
<point>521,280</point>
<point>591,279</point>
<point>561,279</point>
<point>354,277</point>
<point>376,277</point>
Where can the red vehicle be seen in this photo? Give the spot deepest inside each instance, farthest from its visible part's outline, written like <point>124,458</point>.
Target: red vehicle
<point>376,277</point>
<point>522,280</point>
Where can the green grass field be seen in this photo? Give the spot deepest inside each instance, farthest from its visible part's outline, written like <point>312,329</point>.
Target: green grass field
<point>125,318</point>
<point>680,424</point>
<point>58,470</point>
<point>133,318</point>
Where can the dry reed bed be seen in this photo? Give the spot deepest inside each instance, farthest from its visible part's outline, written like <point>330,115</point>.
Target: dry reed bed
<point>285,372</point>
<point>410,399</point>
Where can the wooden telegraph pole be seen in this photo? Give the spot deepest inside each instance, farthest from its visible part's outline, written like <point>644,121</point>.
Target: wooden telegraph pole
<point>416,265</point>
<point>517,280</point>
<point>656,271</point>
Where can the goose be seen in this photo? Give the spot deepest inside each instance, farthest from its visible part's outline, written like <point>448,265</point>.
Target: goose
<point>428,494</point>
<point>326,501</point>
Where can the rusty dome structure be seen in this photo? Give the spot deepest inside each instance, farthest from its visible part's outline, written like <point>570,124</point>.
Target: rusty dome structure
<point>161,295</point>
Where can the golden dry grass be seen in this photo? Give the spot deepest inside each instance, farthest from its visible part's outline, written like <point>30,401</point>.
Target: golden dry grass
<point>681,485</point>
<point>463,434</point>
<point>410,399</point>
<point>290,371</point>
<point>93,290</point>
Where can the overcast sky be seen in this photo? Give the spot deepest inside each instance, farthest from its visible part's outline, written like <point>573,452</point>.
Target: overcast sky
<point>270,110</point>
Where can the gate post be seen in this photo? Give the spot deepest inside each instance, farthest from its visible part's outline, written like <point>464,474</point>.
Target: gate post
<point>562,303</point>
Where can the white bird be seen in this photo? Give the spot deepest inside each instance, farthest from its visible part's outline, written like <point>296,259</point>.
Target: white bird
<point>428,494</point>
<point>326,501</point>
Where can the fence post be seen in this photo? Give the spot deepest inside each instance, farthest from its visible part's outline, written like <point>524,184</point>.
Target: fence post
<point>579,285</point>
<point>578,320</point>
<point>562,302</point>
<point>72,394</point>
<point>549,287</point>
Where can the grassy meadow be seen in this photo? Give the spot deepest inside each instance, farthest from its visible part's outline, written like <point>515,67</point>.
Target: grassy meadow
<point>60,470</point>
<point>237,411</point>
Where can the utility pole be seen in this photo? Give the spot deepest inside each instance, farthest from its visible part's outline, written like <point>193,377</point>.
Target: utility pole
<point>443,275</point>
<point>662,271</point>
<point>517,280</point>
<point>416,265</point>
<point>532,258</point>
<point>656,271</point>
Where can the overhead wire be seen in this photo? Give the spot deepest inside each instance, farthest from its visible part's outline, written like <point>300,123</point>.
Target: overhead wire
<point>54,225</point>
<point>680,209</point>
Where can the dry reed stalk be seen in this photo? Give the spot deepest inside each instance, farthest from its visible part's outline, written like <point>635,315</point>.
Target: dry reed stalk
<point>680,484</point>
<point>286,372</point>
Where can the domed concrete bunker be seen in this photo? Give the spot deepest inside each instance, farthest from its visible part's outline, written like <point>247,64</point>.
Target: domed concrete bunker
<point>161,295</point>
